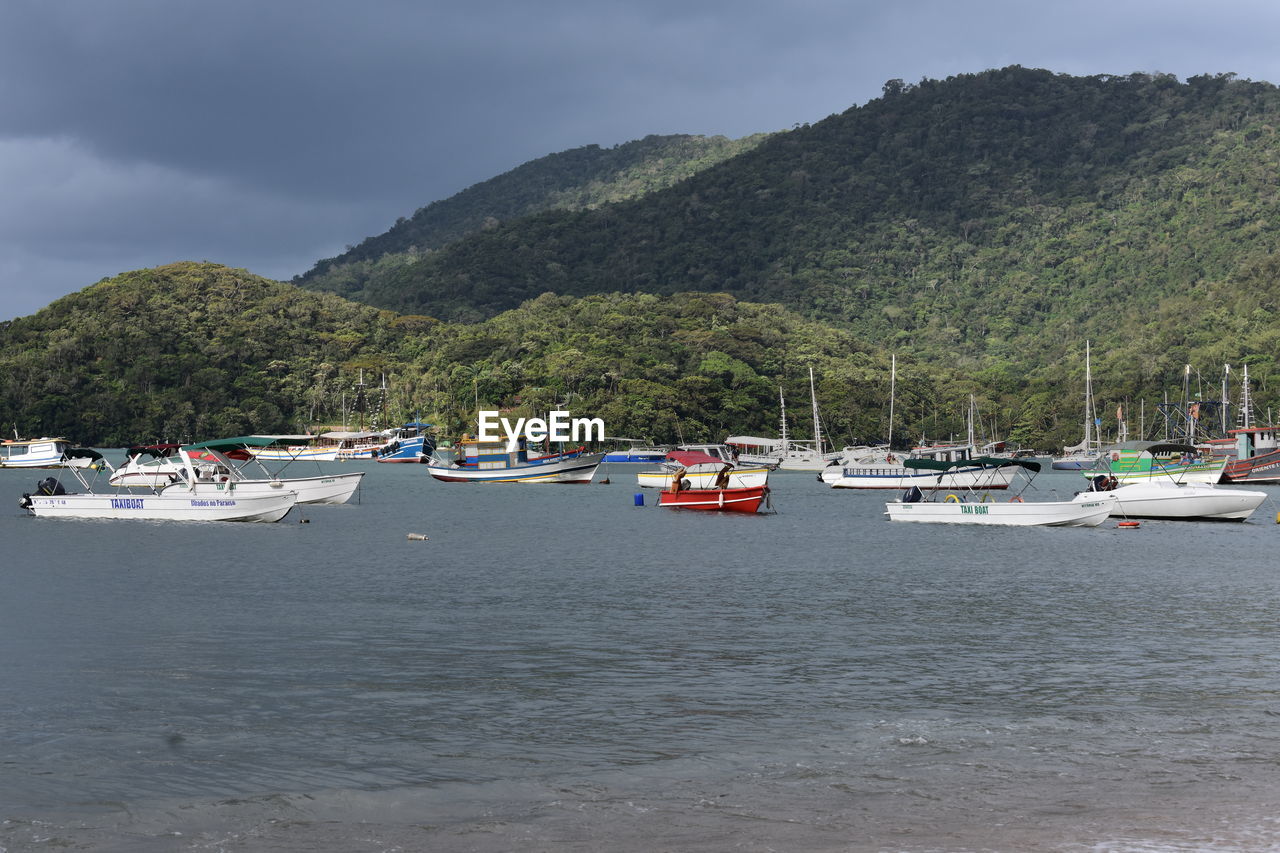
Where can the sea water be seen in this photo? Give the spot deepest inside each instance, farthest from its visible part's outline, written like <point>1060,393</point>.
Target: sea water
<point>555,668</point>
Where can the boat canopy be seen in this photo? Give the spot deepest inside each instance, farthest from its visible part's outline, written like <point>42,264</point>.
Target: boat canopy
<point>689,458</point>
<point>346,436</point>
<point>754,441</point>
<point>81,453</point>
<point>159,451</point>
<point>984,461</point>
<point>222,445</point>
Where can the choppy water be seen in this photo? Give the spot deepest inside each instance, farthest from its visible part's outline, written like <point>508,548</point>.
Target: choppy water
<point>557,669</point>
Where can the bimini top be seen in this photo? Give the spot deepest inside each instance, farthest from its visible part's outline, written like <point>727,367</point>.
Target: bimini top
<point>689,458</point>
<point>159,451</point>
<point>984,461</point>
<point>81,453</point>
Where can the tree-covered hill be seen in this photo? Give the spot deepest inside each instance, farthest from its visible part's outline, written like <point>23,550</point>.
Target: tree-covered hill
<point>184,350</point>
<point>193,351</point>
<point>1007,214</point>
<point>580,179</point>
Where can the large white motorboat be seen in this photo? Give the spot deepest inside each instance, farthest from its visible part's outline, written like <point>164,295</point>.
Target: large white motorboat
<point>195,502</point>
<point>1182,501</point>
<point>41,453</point>
<point>1086,509</point>
<point>228,460</point>
<point>171,466</point>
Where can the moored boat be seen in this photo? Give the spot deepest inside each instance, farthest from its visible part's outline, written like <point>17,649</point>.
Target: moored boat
<point>719,495</point>
<point>197,503</point>
<point>700,466</point>
<point>1145,461</point>
<point>410,442</point>
<point>883,468</point>
<point>41,453</point>
<point>225,463</point>
<point>1087,509</point>
<point>638,451</point>
<point>491,462</point>
<point>1182,501</point>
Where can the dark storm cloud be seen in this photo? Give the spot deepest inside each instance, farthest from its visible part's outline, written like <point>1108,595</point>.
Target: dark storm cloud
<point>269,134</point>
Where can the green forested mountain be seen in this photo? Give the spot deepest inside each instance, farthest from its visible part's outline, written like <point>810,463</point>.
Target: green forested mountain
<point>1005,215</point>
<point>580,179</point>
<point>979,228</point>
<point>181,351</point>
<point>192,351</point>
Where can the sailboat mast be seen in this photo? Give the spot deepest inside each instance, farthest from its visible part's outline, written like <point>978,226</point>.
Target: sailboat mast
<point>782,407</point>
<point>1088,401</point>
<point>817,425</point>
<point>1246,406</point>
<point>893,381</point>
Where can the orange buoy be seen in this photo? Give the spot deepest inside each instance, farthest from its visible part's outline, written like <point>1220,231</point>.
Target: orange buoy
<point>1128,524</point>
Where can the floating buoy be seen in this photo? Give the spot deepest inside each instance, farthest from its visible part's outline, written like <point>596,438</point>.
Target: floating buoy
<point>639,499</point>
<point>1128,524</point>
<point>304,521</point>
<point>417,537</point>
<point>605,481</point>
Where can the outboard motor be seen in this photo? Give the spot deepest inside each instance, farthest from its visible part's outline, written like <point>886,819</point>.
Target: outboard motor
<point>50,486</point>
<point>912,495</point>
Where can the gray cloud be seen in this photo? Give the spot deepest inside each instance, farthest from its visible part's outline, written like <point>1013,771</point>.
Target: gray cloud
<point>268,135</point>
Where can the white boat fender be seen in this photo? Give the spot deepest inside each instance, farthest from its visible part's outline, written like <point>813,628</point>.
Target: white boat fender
<point>416,537</point>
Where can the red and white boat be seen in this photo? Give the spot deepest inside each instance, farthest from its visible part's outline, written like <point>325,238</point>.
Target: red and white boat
<point>720,496</point>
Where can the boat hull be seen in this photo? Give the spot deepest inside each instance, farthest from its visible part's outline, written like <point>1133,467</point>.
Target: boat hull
<point>1263,469</point>
<point>715,500</point>
<point>1083,511</point>
<point>1185,502</point>
<point>1076,463</point>
<point>571,468</point>
<point>739,478</point>
<point>326,490</point>
<point>199,506</point>
<point>295,454</point>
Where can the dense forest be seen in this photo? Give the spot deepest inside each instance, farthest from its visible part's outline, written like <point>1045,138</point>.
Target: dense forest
<point>980,229</point>
<point>580,179</point>
<point>196,350</point>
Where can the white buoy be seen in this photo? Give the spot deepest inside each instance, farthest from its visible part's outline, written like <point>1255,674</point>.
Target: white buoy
<point>419,537</point>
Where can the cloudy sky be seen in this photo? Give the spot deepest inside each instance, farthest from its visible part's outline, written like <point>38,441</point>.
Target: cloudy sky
<point>267,134</point>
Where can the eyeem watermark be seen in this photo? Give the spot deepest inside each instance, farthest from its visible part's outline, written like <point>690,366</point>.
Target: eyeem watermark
<point>557,427</point>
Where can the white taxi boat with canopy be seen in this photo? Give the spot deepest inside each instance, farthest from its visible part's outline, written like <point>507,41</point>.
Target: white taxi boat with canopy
<point>1087,509</point>
<point>192,502</point>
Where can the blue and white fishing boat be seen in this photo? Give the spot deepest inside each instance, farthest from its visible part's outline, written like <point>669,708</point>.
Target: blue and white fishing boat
<point>491,462</point>
<point>639,452</point>
<point>409,443</point>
